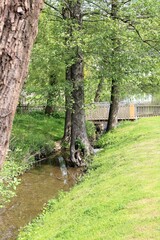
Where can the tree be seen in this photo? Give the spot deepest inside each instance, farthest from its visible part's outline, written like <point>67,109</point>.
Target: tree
<point>49,108</point>
<point>18,29</point>
<point>80,145</point>
<point>68,13</point>
<point>125,44</point>
<point>68,106</point>
<point>113,111</point>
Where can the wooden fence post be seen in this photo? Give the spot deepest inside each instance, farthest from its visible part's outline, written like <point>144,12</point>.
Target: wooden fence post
<point>132,111</point>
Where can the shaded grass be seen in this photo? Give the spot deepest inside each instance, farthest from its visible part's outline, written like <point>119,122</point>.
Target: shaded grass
<point>118,199</point>
<point>34,130</point>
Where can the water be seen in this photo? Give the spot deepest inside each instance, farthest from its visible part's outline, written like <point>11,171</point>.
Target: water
<point>96,150</point>
<point>37,187</point>
<point>63,169</point>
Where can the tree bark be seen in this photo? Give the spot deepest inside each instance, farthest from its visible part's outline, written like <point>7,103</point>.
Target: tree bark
<point>18,29</point>
<point>68,107</point>
<point>99,90</point>
<point>80,146</point>
<point>66,14</point>
<point>114,105</point>
<point>49,109</point>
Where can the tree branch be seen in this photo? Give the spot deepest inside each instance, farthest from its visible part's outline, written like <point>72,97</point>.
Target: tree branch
<point>95,4</point>
<point>100,20</point>
<point>54,8</point>
<point>51,6</point>
<point>125,2</point>
<point>146,41</point>
<point>68,6</point>
<point>143,40</point>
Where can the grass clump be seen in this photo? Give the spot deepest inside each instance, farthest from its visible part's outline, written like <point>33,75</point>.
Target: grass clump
<point>119,198</point>
<point>32,133</point>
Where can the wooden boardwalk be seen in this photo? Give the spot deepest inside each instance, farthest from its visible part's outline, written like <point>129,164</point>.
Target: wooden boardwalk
<point>100,111</point>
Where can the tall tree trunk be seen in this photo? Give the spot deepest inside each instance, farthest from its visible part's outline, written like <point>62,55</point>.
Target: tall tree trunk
<point>49,108</point>
<point>66,14</point>
<point>68,107</point>
<point>18,28</point>
<point>80,146</point>
<point>114,105</point>
<point>99,89</point>
<point>51,95</point>
<point>75,128</point>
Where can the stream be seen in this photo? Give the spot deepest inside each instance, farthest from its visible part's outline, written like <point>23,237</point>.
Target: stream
<point>37,186</point>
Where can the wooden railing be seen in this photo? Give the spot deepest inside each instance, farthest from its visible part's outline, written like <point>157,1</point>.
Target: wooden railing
<point>100,111</point>
<point>148,110</point>
<point>27,108</point>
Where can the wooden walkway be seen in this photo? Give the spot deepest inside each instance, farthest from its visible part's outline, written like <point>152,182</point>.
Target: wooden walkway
<point>100,111</point>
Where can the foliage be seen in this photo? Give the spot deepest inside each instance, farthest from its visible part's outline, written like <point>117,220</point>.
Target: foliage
<point>117,199</point>
<point>135,62</point>
<point>46,62</point>
<point>156,99</point>
<point>9,181</point>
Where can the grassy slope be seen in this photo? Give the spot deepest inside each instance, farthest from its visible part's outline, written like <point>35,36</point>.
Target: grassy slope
<point>35,130</point>
<point>118,199</point>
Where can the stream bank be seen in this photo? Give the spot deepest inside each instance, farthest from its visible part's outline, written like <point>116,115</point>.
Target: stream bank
<point>37,186</point>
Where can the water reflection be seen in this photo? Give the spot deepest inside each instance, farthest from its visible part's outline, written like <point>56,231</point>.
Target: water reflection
<point>63,169</point>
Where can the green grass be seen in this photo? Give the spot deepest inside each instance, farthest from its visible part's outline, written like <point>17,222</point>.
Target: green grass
<point>31,133</point>
<point>35,130</point>
<point>118,199</point>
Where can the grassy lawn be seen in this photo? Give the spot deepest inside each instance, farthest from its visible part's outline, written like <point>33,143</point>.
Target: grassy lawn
<point>118,199</point>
